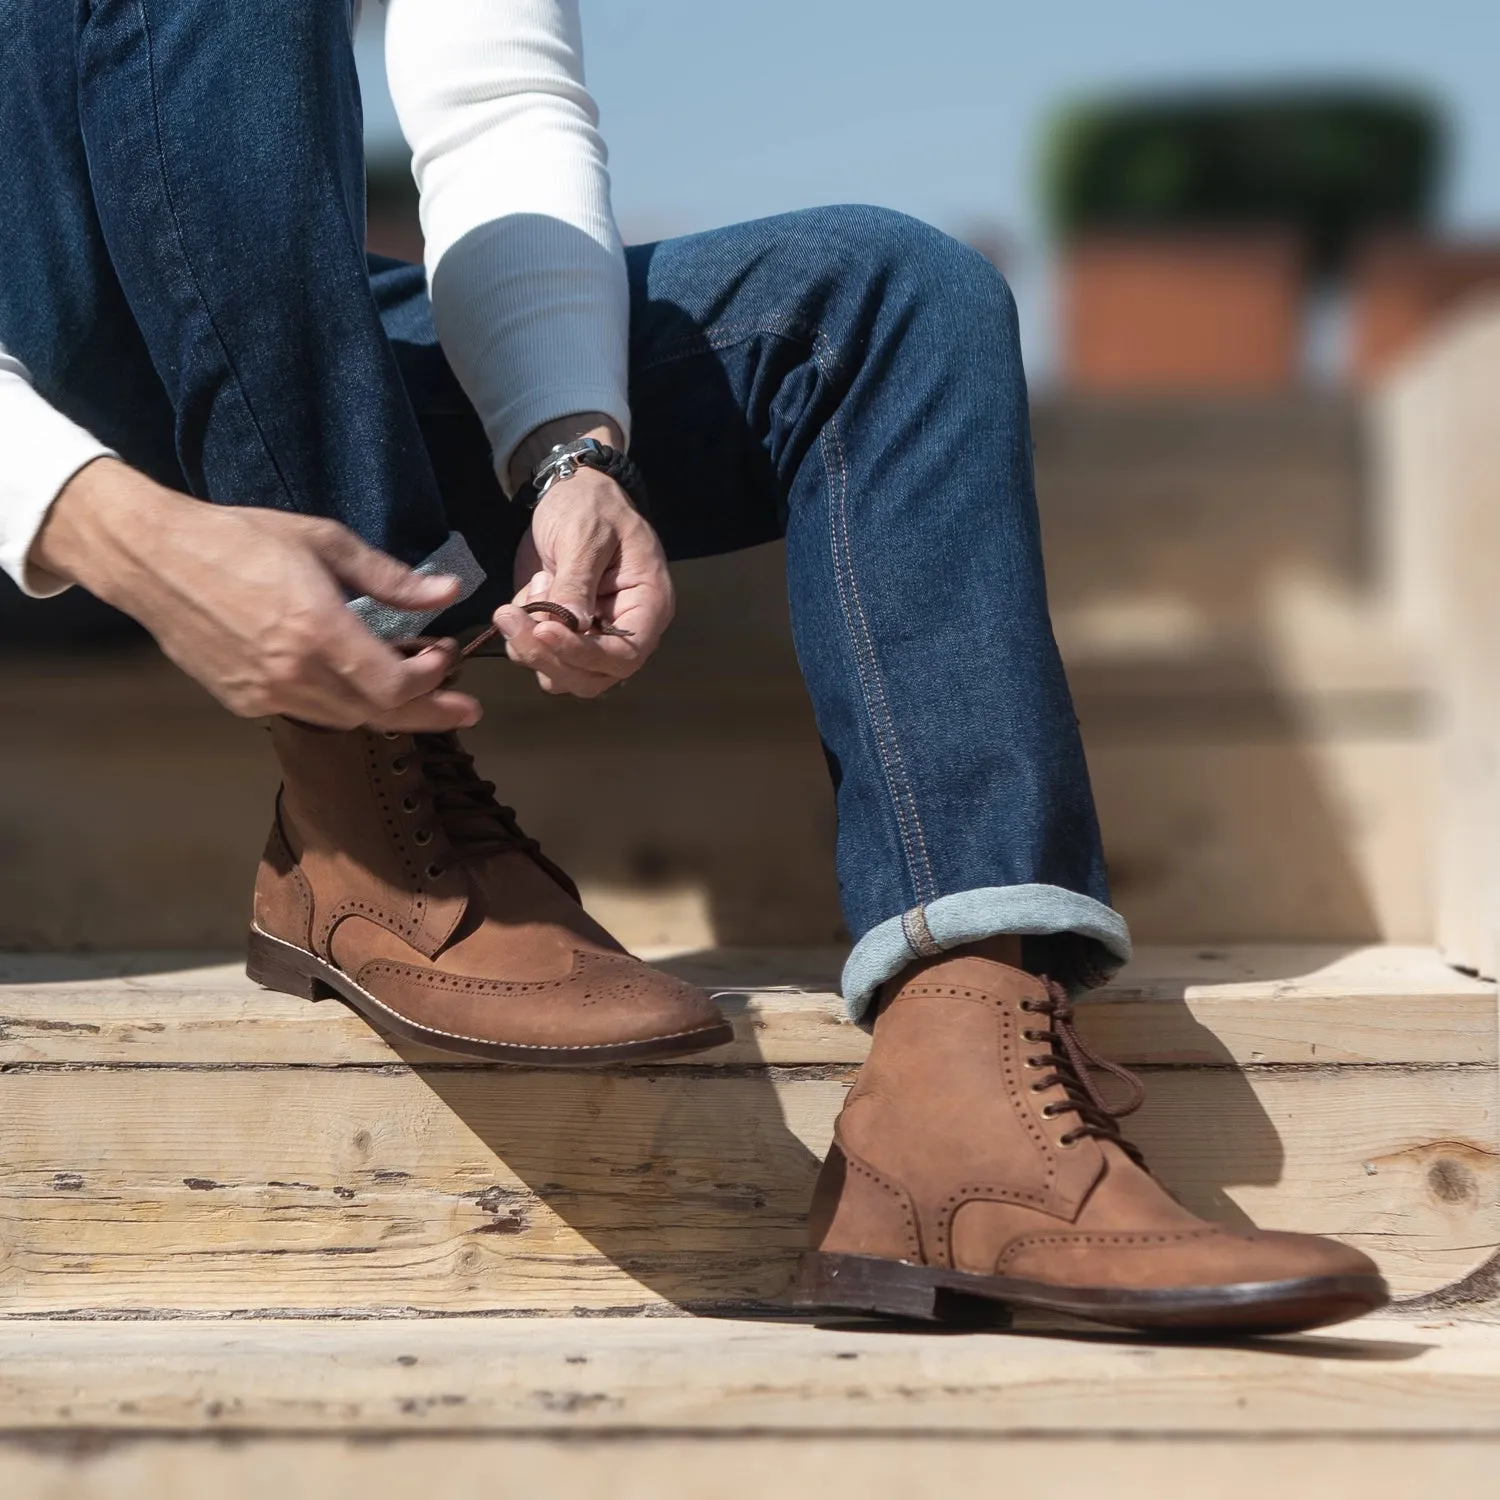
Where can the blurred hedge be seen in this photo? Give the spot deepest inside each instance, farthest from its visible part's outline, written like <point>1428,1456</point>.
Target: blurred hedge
<point>1331,164</point>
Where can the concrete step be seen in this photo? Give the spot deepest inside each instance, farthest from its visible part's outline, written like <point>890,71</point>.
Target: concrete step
<point>182,1143</point>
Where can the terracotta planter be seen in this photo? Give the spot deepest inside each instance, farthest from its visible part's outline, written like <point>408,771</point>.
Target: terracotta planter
<point>1404,289</point>
<point>1190,312</point>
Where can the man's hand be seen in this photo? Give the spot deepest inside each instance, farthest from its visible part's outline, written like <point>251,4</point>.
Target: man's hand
<point>250,604</point>
<point>591,551</point>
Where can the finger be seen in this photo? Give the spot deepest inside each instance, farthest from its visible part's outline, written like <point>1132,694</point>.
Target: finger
<point>383,678</point>
<point>609,655</point>
<point>645,602</point>
<point>379,575</point>
<point>556,677</point>
<point>525,647</point>
<point>547,645</point>
<point>645,610</point>
<point>576,684</point>
<point>432,714</point>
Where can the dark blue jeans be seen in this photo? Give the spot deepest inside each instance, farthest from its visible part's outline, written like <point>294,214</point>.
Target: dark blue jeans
<point>182,269</point>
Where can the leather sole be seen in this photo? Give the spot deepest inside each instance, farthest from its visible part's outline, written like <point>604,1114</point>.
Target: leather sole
<point>863,1283</point>
<point>290,970</point>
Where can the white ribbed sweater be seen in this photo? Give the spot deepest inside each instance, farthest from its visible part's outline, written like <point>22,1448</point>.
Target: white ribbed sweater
<point>523,256</point>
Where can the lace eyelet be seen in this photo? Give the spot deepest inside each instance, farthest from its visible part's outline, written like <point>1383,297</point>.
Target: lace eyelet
<point>390,734</point>
<point>400,766</point>
<point>1068,1141</point>
<point>1031,1062</point>
<point>410,804</point>
<point>1049,1111</point>
<point>422,837</point>
<point>434,871</point>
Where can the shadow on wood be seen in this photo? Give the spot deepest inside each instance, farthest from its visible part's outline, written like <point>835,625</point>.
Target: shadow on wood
<point>698,1193</point>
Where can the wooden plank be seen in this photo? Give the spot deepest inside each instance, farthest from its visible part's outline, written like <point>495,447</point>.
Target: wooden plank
<point>1438,468</point>
<point>133,809</point>
<point>369,1189</point>
<point>689,1375</point>
<point>1240,1006</point>
<point>711,1466</point>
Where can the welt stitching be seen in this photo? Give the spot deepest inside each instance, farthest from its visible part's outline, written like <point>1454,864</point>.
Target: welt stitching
<point>460,1036</point>
<point>877,705</point>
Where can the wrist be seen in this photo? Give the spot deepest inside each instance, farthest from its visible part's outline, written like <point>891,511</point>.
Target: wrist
<point>87,535</point>
<point>539,442</point>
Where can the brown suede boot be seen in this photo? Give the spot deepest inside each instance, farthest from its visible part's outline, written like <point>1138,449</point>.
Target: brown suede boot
<point>975,1156</point>
<point>394,880</point>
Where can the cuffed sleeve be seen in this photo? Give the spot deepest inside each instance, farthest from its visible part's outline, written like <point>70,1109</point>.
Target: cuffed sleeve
<point>524,260</point>
<point>40,451</point>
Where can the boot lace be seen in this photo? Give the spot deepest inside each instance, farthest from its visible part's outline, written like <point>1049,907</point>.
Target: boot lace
<point>1072,1062</point>
<point>476,824</point>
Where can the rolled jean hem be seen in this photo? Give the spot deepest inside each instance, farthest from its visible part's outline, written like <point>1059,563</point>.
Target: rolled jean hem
<point>391,624</point>
<point>969,916</point>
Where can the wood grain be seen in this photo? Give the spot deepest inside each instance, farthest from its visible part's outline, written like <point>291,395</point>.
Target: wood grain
<point>1190,1006</point>
<point>713,1466</point>
<point>708,1376</point>
<point>180,1141</point>
<point>372,1189</point>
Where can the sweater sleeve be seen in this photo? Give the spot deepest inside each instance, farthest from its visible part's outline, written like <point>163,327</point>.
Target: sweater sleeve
<point>524,260</point>
<point>40,451</point>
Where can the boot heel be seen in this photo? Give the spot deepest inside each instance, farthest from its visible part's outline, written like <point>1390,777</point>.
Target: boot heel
<point>862,1283</point>
<point>271,966</point>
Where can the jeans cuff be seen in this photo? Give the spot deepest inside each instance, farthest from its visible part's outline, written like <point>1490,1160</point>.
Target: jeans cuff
<point>392,624</point>
<point>991,911</point>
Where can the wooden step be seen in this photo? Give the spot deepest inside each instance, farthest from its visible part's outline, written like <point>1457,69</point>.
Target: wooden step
<point>806,1466</point>
<point>181,1142</point>
<point>705,1375</point>
<point>719,1410</point>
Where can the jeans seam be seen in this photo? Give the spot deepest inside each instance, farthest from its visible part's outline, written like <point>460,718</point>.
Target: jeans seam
<point>867,666</point>
<point>918,934</point>
<point>877,707</point>
<point>187,262</point>
<point>722,336</point>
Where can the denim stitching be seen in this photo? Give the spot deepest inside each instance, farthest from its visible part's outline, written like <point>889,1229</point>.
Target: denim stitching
<point>918,934</point>
<point>913,839</point>
<point>919,866</point>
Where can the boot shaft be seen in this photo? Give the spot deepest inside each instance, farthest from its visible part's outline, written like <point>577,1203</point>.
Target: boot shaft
<point>355,821</point>
<point>948,1106</point>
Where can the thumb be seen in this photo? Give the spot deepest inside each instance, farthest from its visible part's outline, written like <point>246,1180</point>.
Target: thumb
<point>575,583</point>
<point>379,575</point>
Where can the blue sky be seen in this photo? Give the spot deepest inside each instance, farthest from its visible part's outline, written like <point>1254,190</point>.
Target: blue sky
<point>716,111</point>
